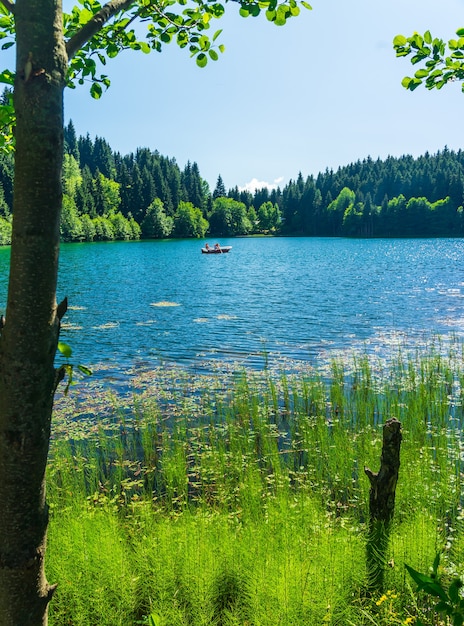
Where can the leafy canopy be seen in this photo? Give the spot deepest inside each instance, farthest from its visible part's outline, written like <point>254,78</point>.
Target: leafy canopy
<point>96,32</point>
<point>439,62</point>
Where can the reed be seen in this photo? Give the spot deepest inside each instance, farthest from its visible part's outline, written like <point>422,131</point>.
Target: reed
<point>240,497</point>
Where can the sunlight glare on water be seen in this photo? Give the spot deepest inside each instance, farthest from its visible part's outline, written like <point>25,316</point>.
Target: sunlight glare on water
<point>133,304</point>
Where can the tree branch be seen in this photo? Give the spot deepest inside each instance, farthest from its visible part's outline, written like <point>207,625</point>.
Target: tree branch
<point>94,25</point>
<point>9,6</point>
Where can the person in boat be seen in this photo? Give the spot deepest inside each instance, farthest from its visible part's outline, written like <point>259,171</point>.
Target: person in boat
<point>207,246</point>
<point>217,246</point>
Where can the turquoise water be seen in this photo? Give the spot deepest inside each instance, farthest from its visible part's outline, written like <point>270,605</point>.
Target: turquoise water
<point>134,304</point>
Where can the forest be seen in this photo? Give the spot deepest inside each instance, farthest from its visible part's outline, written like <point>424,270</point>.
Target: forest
<point>144,194</point>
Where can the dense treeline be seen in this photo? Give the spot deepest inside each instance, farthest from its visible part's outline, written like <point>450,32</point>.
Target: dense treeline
<point>397,197</point>
<point>109,196</point>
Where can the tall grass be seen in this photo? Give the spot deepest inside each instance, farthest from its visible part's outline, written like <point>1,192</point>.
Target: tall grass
<point>240,498</point>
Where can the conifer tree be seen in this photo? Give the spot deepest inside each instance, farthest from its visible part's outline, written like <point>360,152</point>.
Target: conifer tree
<point>220,190</point>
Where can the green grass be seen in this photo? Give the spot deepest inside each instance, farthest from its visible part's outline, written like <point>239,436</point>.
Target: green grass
<point>240,498</point>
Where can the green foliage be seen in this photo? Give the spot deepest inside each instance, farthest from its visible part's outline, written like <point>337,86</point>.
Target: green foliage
<point>121,226</point>
<point>7,114</point>
<point>439,62</point>
<point>268,216</point>
<point>5,231</point>
<point>393,198</point>
<point>68,368</point>
<point>450,600</point>
<point>72,177</point>
<point>230,593</point>
<point>156,224</point>
<point>171,21</point>
<point>95,33</point>
<point>88,228</point>
<point>106,194</point>
<point>71,227</point>
<point>189,221</point>
<point>240,497</point>
<point>229,218</point>
<point>104,229</point>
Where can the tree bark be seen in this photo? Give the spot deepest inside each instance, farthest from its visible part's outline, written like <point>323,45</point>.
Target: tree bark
<point>29,337</point>
<point>382,503</point>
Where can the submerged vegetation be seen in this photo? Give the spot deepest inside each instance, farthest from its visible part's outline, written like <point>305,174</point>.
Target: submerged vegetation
<point>240,497</point>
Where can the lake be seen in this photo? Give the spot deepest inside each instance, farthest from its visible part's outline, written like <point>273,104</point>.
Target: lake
<point>277,300</point>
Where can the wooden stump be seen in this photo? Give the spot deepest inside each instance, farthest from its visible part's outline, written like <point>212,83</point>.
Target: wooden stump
<point>382,503</point>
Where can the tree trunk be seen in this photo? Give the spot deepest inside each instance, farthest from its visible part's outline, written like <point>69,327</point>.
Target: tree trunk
<point>382,503</point>
<point>30,333</point>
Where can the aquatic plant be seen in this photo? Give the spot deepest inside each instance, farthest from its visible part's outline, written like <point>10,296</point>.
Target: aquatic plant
<point>250,485</point>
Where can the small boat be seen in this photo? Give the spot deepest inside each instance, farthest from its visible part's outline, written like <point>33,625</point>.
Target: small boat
<point>216,250</point>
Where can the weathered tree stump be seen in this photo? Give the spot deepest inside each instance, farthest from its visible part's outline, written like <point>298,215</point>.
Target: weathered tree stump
<point>382,503</point>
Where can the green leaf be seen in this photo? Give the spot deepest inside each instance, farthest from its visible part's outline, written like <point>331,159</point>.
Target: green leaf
<point>244,12</point>
<point>84,16</point>
<point>460,32</point>
<point>202,59</point>
<point>407,80</point>
<point>204,43</point>
<point>417,58</point>
<point>428,584</point>
<point>443,607</point>
<point>217,10</point>
<point>399,40</point>
<point>281,18</point>
<point>65,349</point>
<point>417,41</point>
<point>417,576</point>
<point>7,77</point>
<point>112,50</point>
<point>458,619</point>
<point>85,370</point>
<point>306,5</point>
<point>453,590</point>
<point>216,34</point>
<point>427,37</point>
<point>154,620</point>
<point>213,55</point>
<point>69,372</point>
<point>96,91</point>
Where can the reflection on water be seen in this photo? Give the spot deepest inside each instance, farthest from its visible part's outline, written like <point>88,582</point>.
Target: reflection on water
<point>136,304</point>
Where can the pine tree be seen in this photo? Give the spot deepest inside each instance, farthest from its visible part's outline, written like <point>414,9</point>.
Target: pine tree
<point>71,146</point>
<point>220,190</point>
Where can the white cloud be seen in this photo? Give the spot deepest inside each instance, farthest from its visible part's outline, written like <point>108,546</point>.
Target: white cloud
<point>255,184</point>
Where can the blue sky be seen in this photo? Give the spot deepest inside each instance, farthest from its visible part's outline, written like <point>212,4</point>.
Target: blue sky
<point>323,91</point>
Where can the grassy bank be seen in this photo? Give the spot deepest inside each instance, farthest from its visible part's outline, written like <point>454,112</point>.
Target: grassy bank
<point>240,498</point>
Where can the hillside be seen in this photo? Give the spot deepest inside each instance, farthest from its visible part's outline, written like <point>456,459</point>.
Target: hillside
<point>145,194</point>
